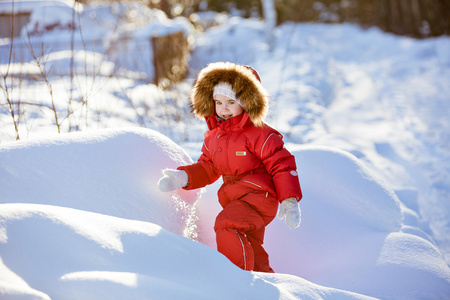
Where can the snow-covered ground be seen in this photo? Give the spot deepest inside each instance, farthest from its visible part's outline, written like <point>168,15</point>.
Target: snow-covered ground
<point>82,217</point>
<point>364,112</point>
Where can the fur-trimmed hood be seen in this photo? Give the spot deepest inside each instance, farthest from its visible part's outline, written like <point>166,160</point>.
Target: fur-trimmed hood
<point>245,84</point>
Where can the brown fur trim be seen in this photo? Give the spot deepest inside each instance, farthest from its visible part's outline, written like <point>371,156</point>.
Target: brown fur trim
<point>252,94</point>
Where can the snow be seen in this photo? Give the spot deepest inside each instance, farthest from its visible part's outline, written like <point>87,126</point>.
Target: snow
<point>27,6</point>
<point>114,236</point>
<point>364,112</point>
<point>85,208</point>
<point>352,235</point>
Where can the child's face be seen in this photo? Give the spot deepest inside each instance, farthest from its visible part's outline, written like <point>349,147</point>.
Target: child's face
<point>227,107</point>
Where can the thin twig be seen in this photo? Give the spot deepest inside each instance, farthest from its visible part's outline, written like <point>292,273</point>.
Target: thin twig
<point>44,77</point>
<point>6,92</point>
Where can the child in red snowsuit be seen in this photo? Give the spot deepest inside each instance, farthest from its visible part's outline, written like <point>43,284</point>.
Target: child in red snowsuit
<point>257,171</point>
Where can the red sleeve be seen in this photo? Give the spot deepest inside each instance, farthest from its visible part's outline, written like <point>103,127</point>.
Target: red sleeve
<point>280,164</point>
<point>202,172</point>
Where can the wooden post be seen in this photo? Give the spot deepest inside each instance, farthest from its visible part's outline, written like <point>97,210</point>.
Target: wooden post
<point>170,58</point>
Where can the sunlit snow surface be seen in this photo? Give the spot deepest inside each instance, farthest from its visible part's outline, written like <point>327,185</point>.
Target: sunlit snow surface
<point>364,112</point>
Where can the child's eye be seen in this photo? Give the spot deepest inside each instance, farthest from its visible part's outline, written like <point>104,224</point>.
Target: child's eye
<point>218,102</point>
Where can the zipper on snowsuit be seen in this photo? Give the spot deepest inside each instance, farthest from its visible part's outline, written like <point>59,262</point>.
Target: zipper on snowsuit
<point>243,249</point>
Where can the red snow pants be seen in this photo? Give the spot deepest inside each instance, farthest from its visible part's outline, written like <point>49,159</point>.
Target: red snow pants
<point>240,230</point>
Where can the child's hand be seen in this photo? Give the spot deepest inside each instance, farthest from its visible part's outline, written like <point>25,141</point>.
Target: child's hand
<point>289,208</point>
<point>173,180</point>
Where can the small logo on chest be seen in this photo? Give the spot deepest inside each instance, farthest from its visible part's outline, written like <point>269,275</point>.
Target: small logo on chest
<point>241,153</point>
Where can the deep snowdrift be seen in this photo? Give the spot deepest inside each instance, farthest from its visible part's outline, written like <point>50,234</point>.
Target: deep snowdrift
<point>81,217</point>
<point>381,97</point>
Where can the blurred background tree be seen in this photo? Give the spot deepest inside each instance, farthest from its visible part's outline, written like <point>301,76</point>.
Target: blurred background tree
<point>246,8</point>
<point>416,18</point>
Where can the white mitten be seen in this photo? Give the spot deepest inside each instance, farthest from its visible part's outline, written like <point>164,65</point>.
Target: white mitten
<point>173,180</point>
<point>289,208</point>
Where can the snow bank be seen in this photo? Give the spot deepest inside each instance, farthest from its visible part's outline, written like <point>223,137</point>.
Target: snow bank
<point>65,253</point>
<point>351,234</point>
<point>56,15</point>
<point>93,256</point>
<point>81,216</point>
<point>112,172</point>
<point>237,40</point>
<point>351,237</point>
<point>79,62</point>
<point>343,183</point>
<point>26,6</point>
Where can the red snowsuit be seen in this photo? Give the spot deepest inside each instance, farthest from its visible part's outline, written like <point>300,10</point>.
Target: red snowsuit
<point>258,173</point>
